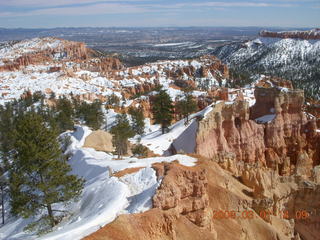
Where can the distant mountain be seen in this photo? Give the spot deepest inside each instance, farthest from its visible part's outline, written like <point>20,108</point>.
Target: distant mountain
<point>294,59</point>
<point>311,34</point>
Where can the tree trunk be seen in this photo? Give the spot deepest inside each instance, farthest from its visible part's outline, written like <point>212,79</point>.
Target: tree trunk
<point>50,214</point>
<point>162,128</point>
<point>2,203</point>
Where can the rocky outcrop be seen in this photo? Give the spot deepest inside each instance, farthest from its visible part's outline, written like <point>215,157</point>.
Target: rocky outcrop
<point>183,191</point>
<point>187,204</point>
<point>139,89</point>
<point>274,132</point>
<point>303,205</point>
<point>311,34</point>
<point>32,58</point>
<point>181,209</point>
<point>106,66</point>
<point>100,141</point>
<point>210,66</point>
<point>65,50</point>
<point>228,129</point>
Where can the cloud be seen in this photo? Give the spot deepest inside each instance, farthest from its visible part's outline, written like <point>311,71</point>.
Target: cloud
<point>218,4</point>
<point>52,3</point>
<point>103,8</point>
<point>100,7</point>
<point>241,4</point>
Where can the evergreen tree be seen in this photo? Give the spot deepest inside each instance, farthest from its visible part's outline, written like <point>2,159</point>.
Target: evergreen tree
<point>65,114</point>
<point>3,188</point>
<point>37,96</point>
<point>91,114</point>
<point>121,132</point>
<point>140,151</point>
<point>6,143</point>
<point>162,110</point>
<point>113,101</point>
<point>39,176</point>
<point>137,120</point>
<point>77,107</point>
<point>6,130</point>
<point>186,106</point>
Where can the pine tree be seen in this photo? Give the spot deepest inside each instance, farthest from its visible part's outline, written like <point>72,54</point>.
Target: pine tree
<point>91,114</point>
<point>65,114</point>
<point>6,130</point>
<point>121,132</point>
<point>186,106</point>
<point>137,120</point>
<point>113,101</point>
<point>39,175</point>
<point>162,110</point>
<point>3,188</point>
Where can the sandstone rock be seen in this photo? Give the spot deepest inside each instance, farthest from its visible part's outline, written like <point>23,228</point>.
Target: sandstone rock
<point>85,77</point>
<point>316,174</point>
<point>286,143</point>
<point>67,50</point>
<point>303,165</point>
<point>262,181</point>
<point>180,212</point>
<point>185,191</point>
<point>100,141</point>
<point>228,129</point>
<point>54,69</point>
<point>311,34</point>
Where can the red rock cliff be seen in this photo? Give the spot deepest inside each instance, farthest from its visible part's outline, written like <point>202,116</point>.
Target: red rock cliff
<point>281,138</point>
<point>312,34</point>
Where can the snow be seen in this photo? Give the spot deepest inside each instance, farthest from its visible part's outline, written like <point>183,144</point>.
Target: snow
<point>142,185</point>
<point>104,197</point>
<point>179,132</point>
<point>283,89</point>
<point>170,44</point>
<point>186,142</point>
<point>13,84</point>
<point>14,51</point>
<point>266,118</point>
<point>83,82</point>
<point>248,94</point>
<point>318,130</point>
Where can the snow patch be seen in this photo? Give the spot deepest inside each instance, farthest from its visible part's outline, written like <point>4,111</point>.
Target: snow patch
<point>266,118</point>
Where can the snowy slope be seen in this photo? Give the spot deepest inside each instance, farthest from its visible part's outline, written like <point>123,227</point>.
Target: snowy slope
<point>13,84</point>
<point>13,51</point>
<point>293,59</point>
<point>104,197</point>
<point>79,79</point>
<point>159,143</point>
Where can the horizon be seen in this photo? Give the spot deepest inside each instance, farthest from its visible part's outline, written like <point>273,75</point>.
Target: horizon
<point>118,27</point>
<point>35,14</point>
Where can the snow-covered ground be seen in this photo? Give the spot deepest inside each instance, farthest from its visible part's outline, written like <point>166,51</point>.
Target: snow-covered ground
<point>11,52</point>
<point>104,197</point>
<point>159,143</point>
<point>73,79</point>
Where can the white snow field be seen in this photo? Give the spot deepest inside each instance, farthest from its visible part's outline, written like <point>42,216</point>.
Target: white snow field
<point>179,134</point>
<point>104,197</point>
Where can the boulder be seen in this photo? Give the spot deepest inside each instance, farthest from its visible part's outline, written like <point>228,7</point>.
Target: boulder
<point>99,140</point>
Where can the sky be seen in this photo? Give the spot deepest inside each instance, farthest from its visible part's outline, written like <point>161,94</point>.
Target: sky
<point>158,13</point>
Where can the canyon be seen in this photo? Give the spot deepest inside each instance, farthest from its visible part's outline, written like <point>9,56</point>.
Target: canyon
<point>261,160</point>
<point>246,165</point>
